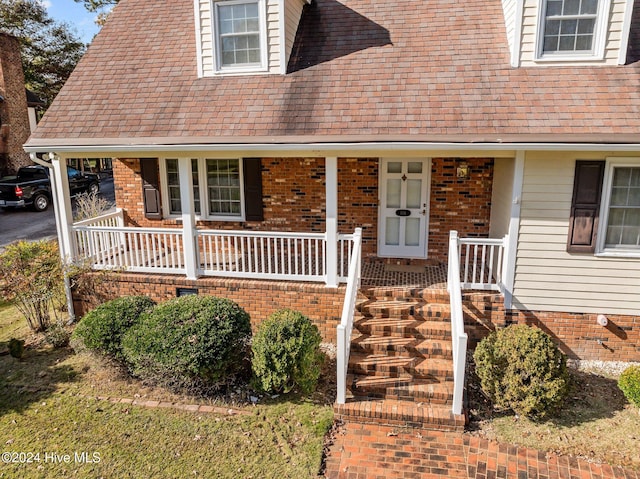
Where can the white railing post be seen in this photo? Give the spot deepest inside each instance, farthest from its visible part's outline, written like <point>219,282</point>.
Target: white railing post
<point>458,336</point>
<point>331,189</point>
<point>343,330</point>
<point>188,218</point>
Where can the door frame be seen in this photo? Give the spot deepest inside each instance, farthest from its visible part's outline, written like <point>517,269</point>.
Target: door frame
<point>381,189</point>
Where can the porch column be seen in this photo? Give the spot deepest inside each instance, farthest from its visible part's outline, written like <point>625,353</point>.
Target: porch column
<point>331,186</point>
<point>509,268</point>
<point>188,218</point>
<point>62,203</point>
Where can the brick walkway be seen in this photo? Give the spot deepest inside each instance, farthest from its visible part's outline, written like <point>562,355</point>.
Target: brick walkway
<point>363,451</point>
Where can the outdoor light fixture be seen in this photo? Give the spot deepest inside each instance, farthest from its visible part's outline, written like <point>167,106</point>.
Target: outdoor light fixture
<point>462,171</point>
<point>602,320</point>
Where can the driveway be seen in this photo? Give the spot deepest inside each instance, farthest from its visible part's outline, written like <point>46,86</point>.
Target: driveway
<point>26,224</point>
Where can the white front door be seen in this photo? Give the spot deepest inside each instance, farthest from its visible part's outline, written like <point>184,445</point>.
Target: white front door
<point>404,207</point>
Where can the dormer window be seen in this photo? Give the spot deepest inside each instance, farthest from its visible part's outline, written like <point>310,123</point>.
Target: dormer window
<point>240,35</point>
<point>572,29</point>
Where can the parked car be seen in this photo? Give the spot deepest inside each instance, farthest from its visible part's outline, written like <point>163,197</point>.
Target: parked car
<point>32,187</point>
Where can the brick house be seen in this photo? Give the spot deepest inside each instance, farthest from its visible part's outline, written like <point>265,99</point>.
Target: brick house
<point>17,107</point>
<point>420,174</point>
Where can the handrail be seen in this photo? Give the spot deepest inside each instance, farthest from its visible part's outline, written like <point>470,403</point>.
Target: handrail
<point>458,336</point>
<point>103,220</point>
<point>345,327</point>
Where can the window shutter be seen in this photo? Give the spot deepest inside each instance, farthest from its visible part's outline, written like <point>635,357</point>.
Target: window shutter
<point>585,206</point>
<point>150,188</point>
<point>252,172</point>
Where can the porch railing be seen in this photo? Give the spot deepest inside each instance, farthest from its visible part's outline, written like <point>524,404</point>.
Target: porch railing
<point>458,336</point>
<point>482,262</point>
<point>106,244</point>
<point>346,323</point>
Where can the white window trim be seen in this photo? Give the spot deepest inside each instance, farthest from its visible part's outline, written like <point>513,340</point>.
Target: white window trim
<point>205,214</point>
<point>603,219</point>
<point>599,37</point>
<point>264,44</point>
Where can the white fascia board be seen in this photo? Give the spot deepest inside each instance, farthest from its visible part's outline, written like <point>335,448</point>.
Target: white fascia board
<point>326,148</point>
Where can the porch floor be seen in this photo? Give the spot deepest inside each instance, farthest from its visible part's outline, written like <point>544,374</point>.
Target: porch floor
<point>424,277</point>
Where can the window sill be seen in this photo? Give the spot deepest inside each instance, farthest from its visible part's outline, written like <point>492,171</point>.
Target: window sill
<point>618,254</point>
<point>569,58</point>
<point>228,219</point>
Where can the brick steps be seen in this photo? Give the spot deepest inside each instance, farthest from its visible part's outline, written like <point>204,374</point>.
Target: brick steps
<point>402,388</point>
<point>404,327</point>
<point>400,366</point>
<point>402,346</point>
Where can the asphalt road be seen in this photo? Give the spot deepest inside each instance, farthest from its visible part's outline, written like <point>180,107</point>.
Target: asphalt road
<point>24,223</point>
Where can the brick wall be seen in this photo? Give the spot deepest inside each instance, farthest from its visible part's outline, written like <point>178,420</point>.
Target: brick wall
<point>577,334</point>
<point>461,204</point>
<point>259,298</point>
<point>294,199</point>
<point>14,116</point>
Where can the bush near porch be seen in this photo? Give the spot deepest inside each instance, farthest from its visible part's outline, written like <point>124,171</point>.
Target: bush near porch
<point>48,402</point>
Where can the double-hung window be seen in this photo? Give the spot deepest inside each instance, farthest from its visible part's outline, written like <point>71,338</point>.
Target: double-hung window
<point>217,188</point>
<point>620,231</point>
<point>572,29</point>
<point>240,35</point>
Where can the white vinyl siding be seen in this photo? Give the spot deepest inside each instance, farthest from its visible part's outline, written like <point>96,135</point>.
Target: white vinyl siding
<point>612,34</point>
<point>205,30</point>
<point>509,12</point>
<point>547,278</point>
<point>501,197</point>
<point>293,13</point>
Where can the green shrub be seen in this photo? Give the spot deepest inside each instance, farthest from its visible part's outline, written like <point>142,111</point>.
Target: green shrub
<point>57,335</point>
<point>520,368</point>
<point>102,329</point>
<point>191,341</point>
<point>286,353</point>
<point>629,384</point>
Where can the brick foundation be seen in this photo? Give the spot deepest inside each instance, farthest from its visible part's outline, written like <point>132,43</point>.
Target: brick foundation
<point>259,298</point>
<point>576,334</point>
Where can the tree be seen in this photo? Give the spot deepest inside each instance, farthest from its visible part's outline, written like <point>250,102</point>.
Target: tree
<point>50,50</point>
<point>101,7</point>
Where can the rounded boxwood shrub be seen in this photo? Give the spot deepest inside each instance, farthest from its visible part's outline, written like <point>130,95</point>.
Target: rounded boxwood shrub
<point>189,342</point>
<point>102,328</point>
<point>286,353</point>
<point>520,368</point>
<point>629,384</point>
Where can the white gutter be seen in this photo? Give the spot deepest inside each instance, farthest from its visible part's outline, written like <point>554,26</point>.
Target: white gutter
<point>334,147</point>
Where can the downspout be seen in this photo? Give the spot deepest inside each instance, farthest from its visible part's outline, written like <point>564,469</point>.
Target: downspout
<point>61,246</point>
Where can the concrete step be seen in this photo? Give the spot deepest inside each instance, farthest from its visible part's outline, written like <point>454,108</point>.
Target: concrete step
<point>400,366</point>
<point>404,327</point>
<point>401,346</point>
<point>402,389</point>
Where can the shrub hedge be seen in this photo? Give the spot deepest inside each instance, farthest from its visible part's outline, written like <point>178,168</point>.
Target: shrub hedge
<point>286,353</point>
<point>190,341</point>
<point>103,328</point>
<point>520,368</point>
<point>629,384</point>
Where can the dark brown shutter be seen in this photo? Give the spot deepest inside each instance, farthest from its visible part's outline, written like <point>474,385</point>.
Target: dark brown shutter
<point>150,188</point>
<point>252,171</point>
<point>585,206</point>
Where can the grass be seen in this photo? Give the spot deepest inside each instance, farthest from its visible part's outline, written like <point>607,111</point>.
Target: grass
<point>48,405</point>
<point>596,422</point>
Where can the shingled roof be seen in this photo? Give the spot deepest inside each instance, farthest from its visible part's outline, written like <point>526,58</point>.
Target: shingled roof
<point>362,70</point>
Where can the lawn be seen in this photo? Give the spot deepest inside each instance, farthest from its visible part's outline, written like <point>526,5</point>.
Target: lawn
<point>596,422</point>
<point>48,406</point>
